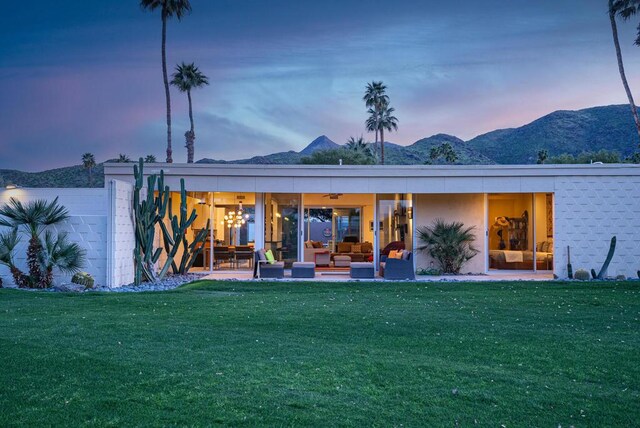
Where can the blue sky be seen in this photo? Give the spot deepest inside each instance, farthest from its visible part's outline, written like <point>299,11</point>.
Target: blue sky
<point>86,76</point>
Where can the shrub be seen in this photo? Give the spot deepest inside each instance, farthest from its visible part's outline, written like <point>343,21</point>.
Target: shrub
<point>450,244</point>
<point>582,275</point>
<point>83,278</point>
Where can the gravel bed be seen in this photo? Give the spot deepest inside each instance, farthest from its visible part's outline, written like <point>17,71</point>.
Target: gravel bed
<point>168,283</point>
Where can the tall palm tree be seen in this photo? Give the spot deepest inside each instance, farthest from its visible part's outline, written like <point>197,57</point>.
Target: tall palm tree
<point>624,8</point>
<point>33,217</point>
<point>186,78</point>
<point>150,159</point>
<point>88,163</point>
<point>168,9</point>
<point>386,120</point>
<point>374,98</point>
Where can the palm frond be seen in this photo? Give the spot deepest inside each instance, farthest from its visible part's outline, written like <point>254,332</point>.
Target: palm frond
<point>59,253</point>
<point>8,242</point>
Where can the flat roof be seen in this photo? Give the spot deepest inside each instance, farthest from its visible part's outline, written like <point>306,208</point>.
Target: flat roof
<point>378,179</point>
<point>258,170</point>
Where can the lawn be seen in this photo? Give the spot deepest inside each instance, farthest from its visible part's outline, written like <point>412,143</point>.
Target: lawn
<point>326,354</point>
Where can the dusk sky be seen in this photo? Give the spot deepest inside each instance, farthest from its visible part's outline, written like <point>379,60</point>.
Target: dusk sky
<point>85,76</point>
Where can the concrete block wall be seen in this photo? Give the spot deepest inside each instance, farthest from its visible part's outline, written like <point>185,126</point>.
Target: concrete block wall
<point>588,212</point>
<point>121,233</point>
<point>87,226</point>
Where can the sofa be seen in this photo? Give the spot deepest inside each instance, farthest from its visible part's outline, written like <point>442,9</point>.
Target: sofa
<point>311,248</point>
<point>359,252</point>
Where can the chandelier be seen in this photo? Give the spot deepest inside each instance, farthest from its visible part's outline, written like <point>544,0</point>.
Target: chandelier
<point>236,218</point>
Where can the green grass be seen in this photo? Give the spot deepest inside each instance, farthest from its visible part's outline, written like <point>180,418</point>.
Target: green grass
<point>384,354</point>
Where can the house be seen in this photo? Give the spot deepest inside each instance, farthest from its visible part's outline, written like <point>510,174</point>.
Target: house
<point>525,217</point>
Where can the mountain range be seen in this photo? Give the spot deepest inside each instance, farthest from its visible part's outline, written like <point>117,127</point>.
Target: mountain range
<point>564,131</point>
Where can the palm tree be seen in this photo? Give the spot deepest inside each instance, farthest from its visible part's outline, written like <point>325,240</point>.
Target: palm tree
<point>374,98</point>
<point>186,78</point>
<point>624,8</point>
<point>61,254</point>
<point>150,159</point>
<point>168,9</point>
<point>122,158</point>
<point>450,244</point>
<point>357,144</point>
<point>88,163</point>
<point>33,217</point>
<point>386,120</point>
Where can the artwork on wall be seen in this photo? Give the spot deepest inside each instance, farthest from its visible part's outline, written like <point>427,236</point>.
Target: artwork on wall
<point>549,208</point>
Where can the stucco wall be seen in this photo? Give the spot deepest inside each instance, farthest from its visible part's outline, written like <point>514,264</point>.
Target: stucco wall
<point>588,212</point>
<point>86,225</point>
<point>467,208</point>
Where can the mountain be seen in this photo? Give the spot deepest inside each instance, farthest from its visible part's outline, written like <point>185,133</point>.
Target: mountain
<point>320,143</point>
<point>71,176</point>
<point>418,152</point>
<point>592,129</point>
<point>283,158</point>
<point>563,131</point>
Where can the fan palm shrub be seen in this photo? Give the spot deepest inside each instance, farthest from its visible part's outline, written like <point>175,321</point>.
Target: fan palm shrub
<point>32,219</point>
<point>450,244</point>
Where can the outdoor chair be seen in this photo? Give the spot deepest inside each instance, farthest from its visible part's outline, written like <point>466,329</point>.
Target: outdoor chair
<point>393,268</point>
<point>263,269</point>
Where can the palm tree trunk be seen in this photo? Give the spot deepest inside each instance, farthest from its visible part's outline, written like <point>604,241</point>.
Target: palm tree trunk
<point>381,146</point>
<point>90,177</point>
<point>375,146</point>
<point>192,135</point>
<point>616,42</point>
<point>166,85</point>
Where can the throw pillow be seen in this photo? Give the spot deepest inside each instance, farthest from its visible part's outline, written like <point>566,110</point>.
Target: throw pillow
<point>262,254</point>
<point>545,247</point>
<point>539,246</point>
<point>356,248</point>
<point>367,247</point>
<point>406,254</point>
<point>393,254</point>
<point>317,244</point>
<point>270,259</point>
<point>344,247</point>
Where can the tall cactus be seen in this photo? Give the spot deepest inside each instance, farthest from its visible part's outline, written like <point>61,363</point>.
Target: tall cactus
<point>148,213</point>
<point>605,266</point>
<point>176,236</point>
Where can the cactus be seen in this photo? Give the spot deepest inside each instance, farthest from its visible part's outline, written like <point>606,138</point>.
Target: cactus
<point>83,278</point>
<point>581,275</point>
<point>176,236</point>
<point>638,273</point>
<point>147,214</point>
<point>605,266</point>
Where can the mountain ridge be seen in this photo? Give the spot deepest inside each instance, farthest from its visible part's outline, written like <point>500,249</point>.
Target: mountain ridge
<point>562,131</point>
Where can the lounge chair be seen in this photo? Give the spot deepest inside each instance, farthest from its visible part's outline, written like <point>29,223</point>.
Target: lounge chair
<point>393,268</point>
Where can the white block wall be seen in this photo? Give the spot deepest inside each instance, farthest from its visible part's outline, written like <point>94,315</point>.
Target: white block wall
<point>121,234</point>
<point>588,212</point>
<point>87,226</point>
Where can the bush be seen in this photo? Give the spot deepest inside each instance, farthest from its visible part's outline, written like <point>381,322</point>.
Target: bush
<point>333,156</point>
<point>450,244</point>
<point>582,275</point>
<point>83,278</point>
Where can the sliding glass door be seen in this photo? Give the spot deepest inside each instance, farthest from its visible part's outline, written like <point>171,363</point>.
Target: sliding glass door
<point>282,226</point>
